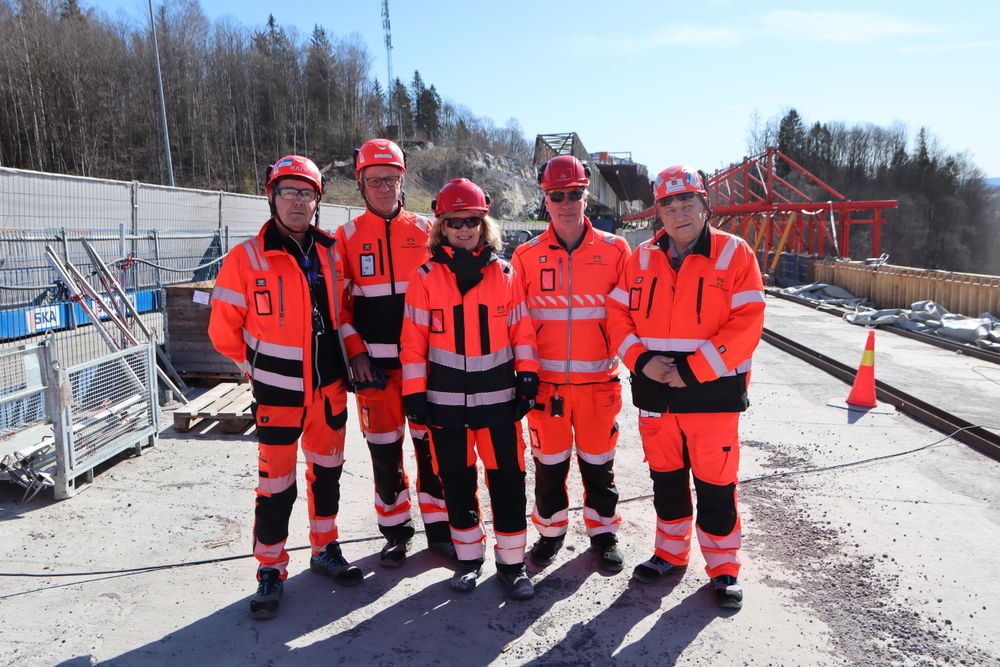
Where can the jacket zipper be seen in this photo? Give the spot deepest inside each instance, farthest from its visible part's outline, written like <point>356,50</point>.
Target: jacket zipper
<point>281,301</point>
<point>701,284</point>
<point>569,310</point>
<point>388,252</point>
<point>652,290</point>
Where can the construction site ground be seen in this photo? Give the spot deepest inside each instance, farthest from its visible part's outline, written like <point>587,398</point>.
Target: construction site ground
<point>890,561</point>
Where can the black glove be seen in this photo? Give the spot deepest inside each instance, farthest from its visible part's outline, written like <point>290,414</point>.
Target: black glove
<point>415,407</point>
<point>527,390</point>
<point>378,383</point>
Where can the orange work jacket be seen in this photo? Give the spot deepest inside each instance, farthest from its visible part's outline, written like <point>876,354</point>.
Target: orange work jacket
<point>379,256</point>
<point>566,294</point>
<point>708,316</point>
<point>463,350</point>
<point>262,315</point>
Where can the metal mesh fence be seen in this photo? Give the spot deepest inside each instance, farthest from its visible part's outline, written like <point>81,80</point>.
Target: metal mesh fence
<point>22,391</point>
<point>112,406</point>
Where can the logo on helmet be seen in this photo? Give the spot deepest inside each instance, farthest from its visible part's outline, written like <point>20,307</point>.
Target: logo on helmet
<point>384,156</point>
<point>287,162</point>
<point>675,184</point>
<point>692,179</point>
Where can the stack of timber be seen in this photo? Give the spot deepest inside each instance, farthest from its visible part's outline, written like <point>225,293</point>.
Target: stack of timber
<point>188,344</point>
<point>227,403</point>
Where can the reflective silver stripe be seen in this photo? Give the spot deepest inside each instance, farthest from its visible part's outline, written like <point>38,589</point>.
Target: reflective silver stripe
<point>417,432</point>
<point>619,295</point>
<point>418,316</point>
<point>596,459</point>
<point>563,314</point>
<point>629,341</point>
<point>650,415</point>
<point>644,258</point>
<point>323,525</point>
<point>273,349</point>
<point>517,313</point>
<point>274,485</point>
<point>522,352</point>
<point>382,350</point>
<point>383,289</point>
<point>716,543</point>
<point>325,460</point>
<point>550,459</point>
<point>597,366</point>
<point>727,253</point>
<point>232,297</point>
<point>250,245</point>
<point>402,501</point>
<point>384,438</point>
<point>713,358</point>
<point>423,223</point>
<point>744,367</point>
<point>590,514</point>
<point>743,298</point>
<point>470,363</point>
<point>471,400</point>
<point>348,330</point>
<point>673,344</point>
<point>414,371</point>
<point>349,229</point>
<point>277,380</point>
<point>424,269</point>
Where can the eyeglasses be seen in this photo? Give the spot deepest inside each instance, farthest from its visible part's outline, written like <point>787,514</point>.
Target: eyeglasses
<point>557,197</point>
<point>292,194</point>
<point>666,202</point>
<point>458,223</point>
<point>390,181</point>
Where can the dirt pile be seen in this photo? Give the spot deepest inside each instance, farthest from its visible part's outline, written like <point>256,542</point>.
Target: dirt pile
<point>510,183</point>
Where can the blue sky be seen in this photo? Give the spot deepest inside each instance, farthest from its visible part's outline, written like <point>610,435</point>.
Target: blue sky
<point>678,82</point>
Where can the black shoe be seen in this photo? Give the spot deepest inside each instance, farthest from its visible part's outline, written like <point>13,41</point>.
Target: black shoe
<point>467,575</point>
<point>446,549</point>
<point>606,546</point>
<point>264,604</point>
<point>516,582</point>
<point>331,563</point>
<point>655,569</point>
<point>544,551</point>
<point>728,592</point>
<point>394,552</point>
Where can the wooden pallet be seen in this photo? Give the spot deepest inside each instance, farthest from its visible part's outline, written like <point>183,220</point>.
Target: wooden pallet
<point>227,403</point>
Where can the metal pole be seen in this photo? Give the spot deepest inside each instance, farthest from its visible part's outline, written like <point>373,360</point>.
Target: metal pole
<point>163,106</point>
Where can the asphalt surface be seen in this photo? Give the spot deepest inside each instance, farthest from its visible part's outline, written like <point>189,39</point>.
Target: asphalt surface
<point>886,561</point>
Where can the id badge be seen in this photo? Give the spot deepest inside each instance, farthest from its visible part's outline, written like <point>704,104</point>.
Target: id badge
<point>556,406</point>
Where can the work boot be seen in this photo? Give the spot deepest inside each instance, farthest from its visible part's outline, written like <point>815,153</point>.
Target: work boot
<point>655,569</point>
<point>467,575</point>
<point>394,552</point>
<point>728,592</point>
<point>264,604</point>
<point>606,546</point>
<point>544,551</point>
<point>331,563</point>
<point>515,581</point>
<point>446,549</point>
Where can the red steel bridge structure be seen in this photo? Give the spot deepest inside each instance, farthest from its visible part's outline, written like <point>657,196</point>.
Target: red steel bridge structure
<point>795,212</point>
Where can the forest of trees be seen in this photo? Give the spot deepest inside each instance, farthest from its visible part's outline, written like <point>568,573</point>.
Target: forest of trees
<point>947,216</point>
<point>78,95</point>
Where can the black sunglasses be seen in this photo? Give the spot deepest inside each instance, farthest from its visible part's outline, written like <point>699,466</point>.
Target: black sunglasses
<point>574,195</point>
<point>458,223</point>
<point>683,197</point>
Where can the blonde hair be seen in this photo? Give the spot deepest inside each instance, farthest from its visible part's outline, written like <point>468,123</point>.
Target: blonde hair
<point>489,233</point>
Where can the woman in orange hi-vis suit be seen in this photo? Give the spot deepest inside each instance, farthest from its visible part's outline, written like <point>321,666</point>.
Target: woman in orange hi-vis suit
<point>276,314</point>
<point>686,318</point>
<point>470,372</point>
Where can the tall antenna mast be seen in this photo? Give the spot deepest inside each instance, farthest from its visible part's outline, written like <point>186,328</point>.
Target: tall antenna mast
<point>388,59</point>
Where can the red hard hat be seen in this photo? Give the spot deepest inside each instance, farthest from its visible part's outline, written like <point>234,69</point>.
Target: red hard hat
<point>460,194</point>
<point>378,151</point>
<point>564,171</point>
<point>297,166</point>
<point>676,181</point>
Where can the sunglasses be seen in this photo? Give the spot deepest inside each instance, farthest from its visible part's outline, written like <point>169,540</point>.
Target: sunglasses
<point>458,223</point>
<point>665,202</point>
<point>557,197</point>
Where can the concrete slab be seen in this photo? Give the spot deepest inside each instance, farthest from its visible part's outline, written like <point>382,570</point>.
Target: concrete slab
<point>884,562</point>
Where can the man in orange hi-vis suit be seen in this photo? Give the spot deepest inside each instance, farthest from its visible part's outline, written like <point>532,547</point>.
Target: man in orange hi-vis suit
<point>567,272</point>
<point>381,247</point>
<point>276,312</point>
<point>686,318</point>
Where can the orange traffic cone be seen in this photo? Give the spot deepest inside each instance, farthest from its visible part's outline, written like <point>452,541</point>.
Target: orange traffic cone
<point>863,391</point>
